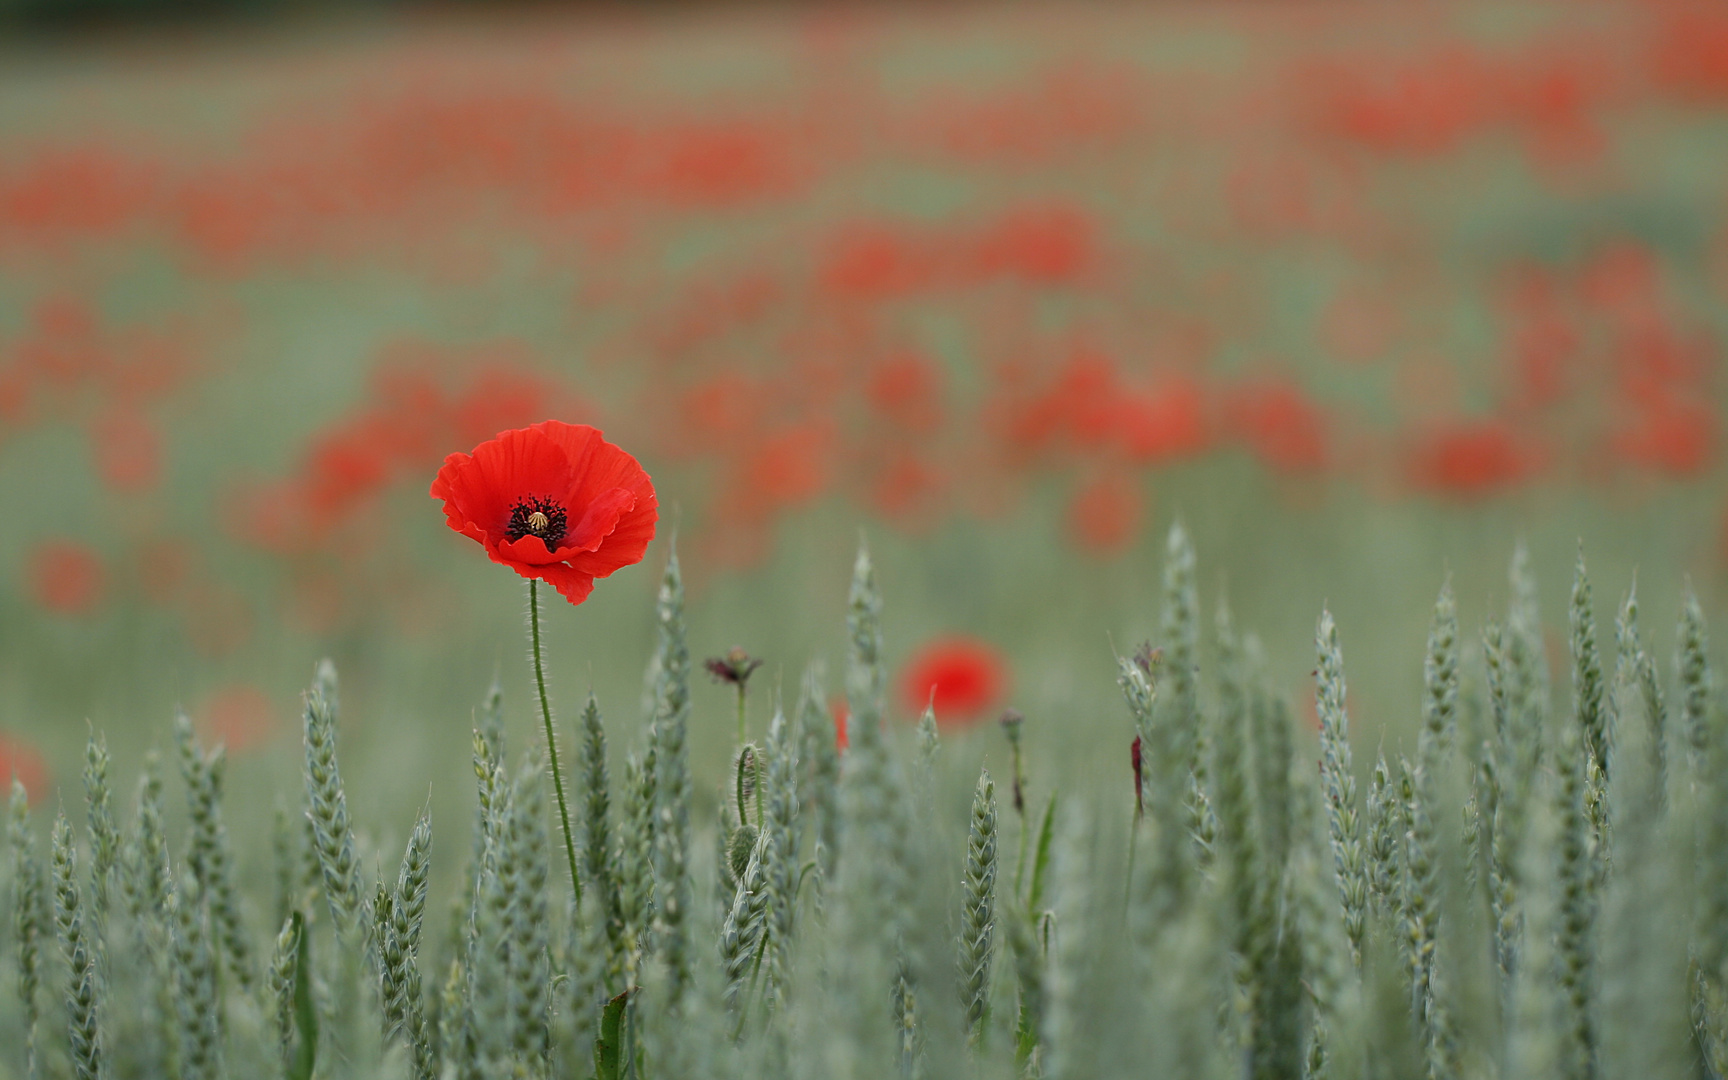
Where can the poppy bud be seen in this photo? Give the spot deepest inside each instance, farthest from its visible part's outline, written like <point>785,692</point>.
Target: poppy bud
<point>739,849</point>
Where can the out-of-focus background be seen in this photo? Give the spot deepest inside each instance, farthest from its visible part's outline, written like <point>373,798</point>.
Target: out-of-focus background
<point>1360,292</point>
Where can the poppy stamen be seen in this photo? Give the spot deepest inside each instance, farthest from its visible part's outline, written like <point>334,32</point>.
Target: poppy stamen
<point>534,516</point>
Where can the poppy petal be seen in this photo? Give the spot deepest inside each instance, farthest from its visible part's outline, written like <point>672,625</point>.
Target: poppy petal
<point>527,551</point>
<point>599,519</point>
<point>479,489</point>
<point>628,541</point>
<point>600,467</point>
<point>572,584</point>
<point>596,466</point>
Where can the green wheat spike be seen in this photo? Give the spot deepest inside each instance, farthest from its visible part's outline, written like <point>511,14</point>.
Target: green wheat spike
<point>1576,909</point>
<point>28,926</point>
<point>104,833</point>
<point>527,868</point>
<point>819,772</point>
<point>782,873</point>
<point>327,803</point>
<point>1440,682</point>
<point>1693,666</point>
<point>78,950</point>
<point>1587,679</point>
<point>1634,666</point>
<point>209,858</point>
<point>667,765</point>
<point>1383,811</point>
<point>197,1004</point>
<point>636,884</point>
<point>597,857</point>
<point>978,910</point>
<point>1339,787</point>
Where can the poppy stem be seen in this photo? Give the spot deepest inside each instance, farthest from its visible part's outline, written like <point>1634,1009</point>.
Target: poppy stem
<point>551,736</point>
<point>742,730</point>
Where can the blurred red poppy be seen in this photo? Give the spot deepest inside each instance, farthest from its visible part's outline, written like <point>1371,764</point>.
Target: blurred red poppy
<point>66,577</point>
<point>1471,458</point>
<point>1104,515</point>
<point>960,677</point>
<point>553,501</point>
<point>239,716</point>
<point>842,713</point>
<point>22,762</point>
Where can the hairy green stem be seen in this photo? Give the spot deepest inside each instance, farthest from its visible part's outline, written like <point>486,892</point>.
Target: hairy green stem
<point>743,727</point>
<point>551,739</point>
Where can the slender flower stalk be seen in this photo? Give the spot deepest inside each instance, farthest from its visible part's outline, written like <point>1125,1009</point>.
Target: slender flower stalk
<point>551,734</point>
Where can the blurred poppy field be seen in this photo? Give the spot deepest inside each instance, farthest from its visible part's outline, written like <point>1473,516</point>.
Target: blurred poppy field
<point>1360,293</point>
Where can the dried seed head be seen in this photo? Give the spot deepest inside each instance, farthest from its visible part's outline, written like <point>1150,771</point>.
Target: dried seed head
<point>1149,659</point>
<point>734,668</point>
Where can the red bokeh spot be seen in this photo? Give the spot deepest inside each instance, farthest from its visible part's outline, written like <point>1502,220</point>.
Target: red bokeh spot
<point>907,489</point>
<point>1671,436</point>
<point>1692,55</point>
<point>1166,422</point>
<point>959,676</point>
<point>127,449</point>
<point>1471,458</point>
<point>842,713</point>
<point>1104,515</point>
<point>872,262</point>
<point>1280,423</point>
<point>1041,245</point>
<point>906,390</point>
<point>23,762</point>
<point>66,577</point>
<point>240,716</point>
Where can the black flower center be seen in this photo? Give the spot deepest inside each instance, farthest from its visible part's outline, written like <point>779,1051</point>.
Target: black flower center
<point>534,516</point>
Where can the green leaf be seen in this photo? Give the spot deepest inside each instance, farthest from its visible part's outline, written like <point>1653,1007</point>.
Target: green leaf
<point>305,1016</point>
<point>1041,861</point>
<point>1025,1036</point>
<point>609,1044</point>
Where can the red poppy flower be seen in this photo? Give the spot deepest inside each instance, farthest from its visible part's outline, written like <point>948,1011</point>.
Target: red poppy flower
<point>552,501</point>
<point>959,676</point>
